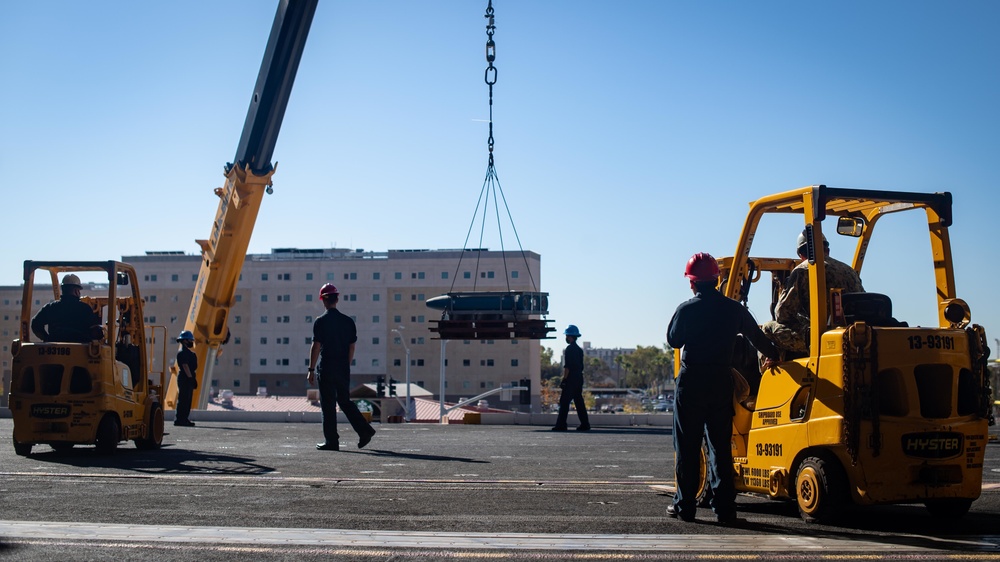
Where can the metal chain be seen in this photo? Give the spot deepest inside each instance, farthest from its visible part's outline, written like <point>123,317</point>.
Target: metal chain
<point>491,71</point>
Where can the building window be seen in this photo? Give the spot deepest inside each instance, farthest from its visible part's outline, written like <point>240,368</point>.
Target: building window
<point>237,340</point>
<point>237,319</point>
<point>174,277</point>
<point>263,319</point>
<point>485,362</point>
<point>309,276</point>
<point>152,298</point>
<point>466,363</point>
<point>396,362</point>
<point>513,362</point>
<point>397,319</point>
<point>263,298</point>
<point>236,383</point>
<point>513,274</point>
<point>309,297</point>
<point>194,277</point>
<point>309,319</point>
<point>375,341</point>
<point>263,277</point>
<point>375,319</point>
<point>376,276</point>
<point>330,276</point>
<point>263,341</point>
<point>285,276</point>
<point>397,297</point>
<point>420,318</point>
<point>309,340</point>
<point>374,362</point>
<point>239,298</point>
<point>237,361</point>
<point>466,275</point>
<point>352,297</point>
<point>263,361</point>
<point>398,275</point>
<point>375,297</point>
<point>444,275</point>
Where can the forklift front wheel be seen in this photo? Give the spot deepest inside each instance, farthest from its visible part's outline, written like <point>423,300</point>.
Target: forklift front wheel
<point>820,490</point>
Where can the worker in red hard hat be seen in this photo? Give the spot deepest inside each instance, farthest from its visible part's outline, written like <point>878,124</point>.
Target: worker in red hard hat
<point>705,329</point>
<point>331,354</point>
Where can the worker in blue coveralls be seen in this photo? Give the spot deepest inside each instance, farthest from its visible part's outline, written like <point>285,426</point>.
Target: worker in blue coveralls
<point>705,328</point>
<point>572,383</point>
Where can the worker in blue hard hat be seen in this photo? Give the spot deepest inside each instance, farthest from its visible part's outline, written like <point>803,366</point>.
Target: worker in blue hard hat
<point>187,381</point>
<point>572,383</point>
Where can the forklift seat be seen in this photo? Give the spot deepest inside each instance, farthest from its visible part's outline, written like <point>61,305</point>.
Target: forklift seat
<point>872,308</point>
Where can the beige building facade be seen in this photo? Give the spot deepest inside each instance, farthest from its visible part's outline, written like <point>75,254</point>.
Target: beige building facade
<point>385,292</point>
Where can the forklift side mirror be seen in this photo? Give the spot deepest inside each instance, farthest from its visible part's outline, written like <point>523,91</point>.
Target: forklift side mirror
<point>850,226</point>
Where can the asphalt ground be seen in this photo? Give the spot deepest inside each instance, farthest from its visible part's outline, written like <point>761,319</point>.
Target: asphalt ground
<point>261,491</point>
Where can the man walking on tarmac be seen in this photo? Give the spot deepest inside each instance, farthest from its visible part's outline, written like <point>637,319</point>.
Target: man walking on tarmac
<point>572,383</point>
<point>334,338</point>
<point>704,329</point>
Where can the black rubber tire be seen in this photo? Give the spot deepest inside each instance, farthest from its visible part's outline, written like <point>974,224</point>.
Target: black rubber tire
<point>948,508</point>
<point>154,434</point>
<point>21,449</point>
<point>108,434</point>
<point>821,490</point>
<point>703,497</point>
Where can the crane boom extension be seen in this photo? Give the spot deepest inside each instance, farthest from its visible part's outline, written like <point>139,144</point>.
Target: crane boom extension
<point>247,177</point>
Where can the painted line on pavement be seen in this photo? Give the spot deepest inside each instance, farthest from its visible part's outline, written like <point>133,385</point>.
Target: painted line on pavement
<point>352,538</point>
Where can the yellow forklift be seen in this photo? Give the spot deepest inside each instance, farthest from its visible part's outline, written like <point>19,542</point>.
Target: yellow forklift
<point>102,391</point>
<point>877,412</point>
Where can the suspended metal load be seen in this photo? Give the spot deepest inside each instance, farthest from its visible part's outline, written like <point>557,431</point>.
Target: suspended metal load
<point>491,315</point>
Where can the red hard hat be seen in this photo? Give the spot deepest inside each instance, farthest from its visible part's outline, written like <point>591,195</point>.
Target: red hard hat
<point>328,289</point>
<point>702,267</point>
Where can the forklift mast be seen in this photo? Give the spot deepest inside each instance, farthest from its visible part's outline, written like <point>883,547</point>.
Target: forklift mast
<point>247,178</point>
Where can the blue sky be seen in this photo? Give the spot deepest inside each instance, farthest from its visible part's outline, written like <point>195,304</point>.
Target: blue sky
<point>629,134</point>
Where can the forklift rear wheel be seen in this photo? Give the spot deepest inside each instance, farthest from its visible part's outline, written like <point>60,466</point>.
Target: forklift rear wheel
<point>154,434</point>
<point>820,490</point>
<point>948,508</point>
<point>108,434</point>
<point>22,449</point>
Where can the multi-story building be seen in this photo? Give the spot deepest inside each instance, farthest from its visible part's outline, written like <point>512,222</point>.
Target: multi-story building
<point>277,300</point>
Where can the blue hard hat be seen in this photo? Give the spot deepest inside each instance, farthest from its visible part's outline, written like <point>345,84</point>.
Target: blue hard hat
<point>186,335</point>
<point>572,331</point>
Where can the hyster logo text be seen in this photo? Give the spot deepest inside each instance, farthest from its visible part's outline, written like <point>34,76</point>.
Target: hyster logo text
<point>49,411</point>
<point>935,445</point>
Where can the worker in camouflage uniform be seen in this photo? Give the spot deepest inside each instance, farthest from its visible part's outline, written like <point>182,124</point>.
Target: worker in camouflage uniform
<point>790,327</point>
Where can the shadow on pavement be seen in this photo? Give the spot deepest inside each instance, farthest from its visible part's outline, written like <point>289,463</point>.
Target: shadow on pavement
<point>420,457</point>
<point>167,460</point>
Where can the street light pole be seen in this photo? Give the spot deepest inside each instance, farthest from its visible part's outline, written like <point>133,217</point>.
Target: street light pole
<point>408,414</point>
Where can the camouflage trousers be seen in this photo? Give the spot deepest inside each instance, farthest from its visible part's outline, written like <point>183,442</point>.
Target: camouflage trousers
<point>787,338</point>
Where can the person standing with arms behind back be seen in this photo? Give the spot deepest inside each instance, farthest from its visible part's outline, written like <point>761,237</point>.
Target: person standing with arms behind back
<point>572,383</point>
<point>704,329</point>
<point>334,338</point>
<point>187,367</point>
